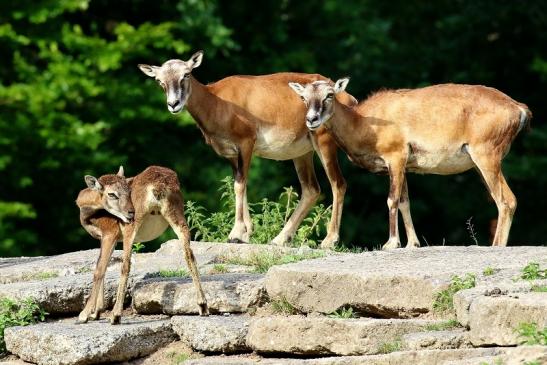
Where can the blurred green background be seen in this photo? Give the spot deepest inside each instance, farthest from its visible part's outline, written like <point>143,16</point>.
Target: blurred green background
<point>72,102</point>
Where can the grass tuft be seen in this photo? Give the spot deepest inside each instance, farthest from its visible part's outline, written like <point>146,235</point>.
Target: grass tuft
<point>531,334</point>
<point>344,313</point>
<point>282,306</point>
<point>219,269</point>
<point>532,271</point>
<point>389,347</point>
<point>18,313</point>
<point>489,271</point>
<point>539,288</point>
<point>181,273</point>
<point>264,260</point>
<point>443,326</point>
<point>444,300</point>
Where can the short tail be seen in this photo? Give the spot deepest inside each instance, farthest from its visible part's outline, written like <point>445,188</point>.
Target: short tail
<point>525,117</point>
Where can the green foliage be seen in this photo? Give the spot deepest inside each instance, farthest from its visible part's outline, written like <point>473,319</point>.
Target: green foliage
<point>498,361</point>
<point>268,216</point>
<point>389,347</point>
<point>489,271</point>
<point>539,288</point>
<point>533,362</point>
<point>444,300</point>
<point>264,260</point>
<point>443,326</point>
<point>18,313</point>
<point>532,271</point>
<point>531,334</point>
<point>344,313</point>
<point>219,269</point>
<point>283,306</point>
<point>181,273</point>
<point>43,275</point>
<point>138,247</point>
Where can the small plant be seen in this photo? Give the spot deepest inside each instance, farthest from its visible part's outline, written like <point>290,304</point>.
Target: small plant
<point>344,313</point>
<point>43,275</point>
<point>531,334</point>
<point>138,247</point>
<point>219,269</point>
<point>444,300</point>
<point>181,273</point>
<point>498,361</point>
<point>264,260</point>
<point>282,306</point>
<point>533,362</point>
<point>18,313</point>
<point>489,271</point>
<point>532,271</point>
<point>389,347</point>
<point>539,289</point>
<point>471,230</point>
<point>179,358</point>
<point>443,326</point>
<point>268,216</point>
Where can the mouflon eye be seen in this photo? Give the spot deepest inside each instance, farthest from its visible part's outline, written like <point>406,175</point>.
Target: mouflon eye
<point>112,196</point>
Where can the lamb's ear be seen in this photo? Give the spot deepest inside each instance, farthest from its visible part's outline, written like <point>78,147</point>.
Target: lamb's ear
<point>340,85</point>
<point>120,171</point>
<point>148,70</point>
<point>298,88</point>
<point>93,183</point>
<point>195,60</point>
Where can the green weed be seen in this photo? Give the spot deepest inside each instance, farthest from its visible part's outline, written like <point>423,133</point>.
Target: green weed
<point>539,289</point>
<point>18,313</point>
<point>264,260</point>
<point>138,247</point>
<point>282,306</point>
<point>344,313</point>
<point>530,334</point>
<point>389,347</point>
<point>219,269</point>
<point>443,326</point>
<point>444,300</point>
<point>489,271</point>
<point>181,273</point>
<point>532,271</point>
<point>268,217</point>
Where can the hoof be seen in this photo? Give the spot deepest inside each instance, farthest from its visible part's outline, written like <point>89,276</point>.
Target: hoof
<point>390,245</point>
<point>203,310</point>
<point>235,240</point>
<point>115,319</point>
<point>80,321</point>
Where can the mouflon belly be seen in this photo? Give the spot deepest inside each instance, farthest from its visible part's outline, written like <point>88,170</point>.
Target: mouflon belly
<point>275,145</point>
<point>151,228</point>
<point>441,162</point>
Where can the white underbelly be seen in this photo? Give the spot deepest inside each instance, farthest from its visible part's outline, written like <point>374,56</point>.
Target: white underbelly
<point>440,162</point>
<point>279,146</point>
<point>151,228</point>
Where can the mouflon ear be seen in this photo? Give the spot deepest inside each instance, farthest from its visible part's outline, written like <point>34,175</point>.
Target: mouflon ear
<point>340,85</point>
<point>93,183</point>
<point>148,70</point>
<point>298,88</point>
<point>120,171</point>
<point>195,60</point>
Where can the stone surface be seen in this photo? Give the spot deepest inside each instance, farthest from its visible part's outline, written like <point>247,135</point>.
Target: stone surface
<point>391,284</point>
<point>233,293</point>
<point>424,357</point>
<point>452,339</point>
<point>509,356</point>
<point>226,334</point>
<point>323,336</point>
<point>493,320</point>
<point>96,342</point>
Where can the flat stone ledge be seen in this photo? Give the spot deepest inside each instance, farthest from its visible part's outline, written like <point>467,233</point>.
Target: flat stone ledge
<point>63,343</point>
<point>226,334</point>
<point>399,283</point>
<point>328,336</point>
<point>228,293</point>
<point>442,340</point>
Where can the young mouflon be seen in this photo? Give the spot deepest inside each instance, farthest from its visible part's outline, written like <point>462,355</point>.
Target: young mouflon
<point>114,208</point>
<point>441,129</point>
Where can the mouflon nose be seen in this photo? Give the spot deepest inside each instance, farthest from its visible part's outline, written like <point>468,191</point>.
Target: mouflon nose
<point>131,214</point>
<point>173,104</point>
<point>312,119</point>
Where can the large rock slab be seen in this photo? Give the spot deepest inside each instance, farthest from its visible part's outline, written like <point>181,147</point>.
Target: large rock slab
<point>442,340</point>
<point>324,336</point>
<point>97,342</point>
<point>229,293</point>
<point>510,356</point>
<point>398,283</point>
<point>226,334</point>
<point>494,320</point>
<point>424,357</point>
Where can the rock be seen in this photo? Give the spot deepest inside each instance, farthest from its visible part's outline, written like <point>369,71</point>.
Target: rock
<point>510,356</point>
<point>323,336</point>
<point>232,293</point>
<point>424,357</point>
<point>45,267</point>
<point>494,320</point>
<point>392,284</point>
<point>96,342</point>
<point>61,295</point>
<point>452,339</point>
<point>225,334</point>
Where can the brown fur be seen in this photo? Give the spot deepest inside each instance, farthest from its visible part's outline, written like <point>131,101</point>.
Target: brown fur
<point>244,115</point>
<point>442,129</point>
<point>155,190</point>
